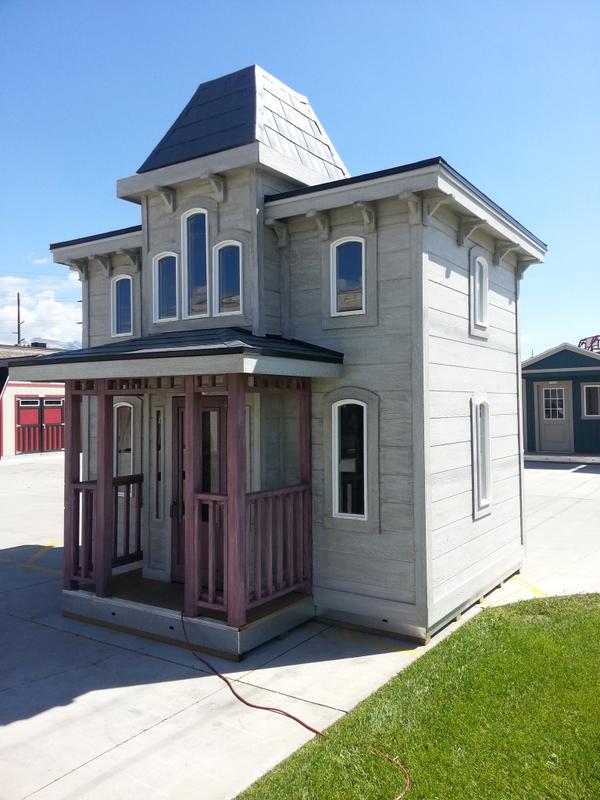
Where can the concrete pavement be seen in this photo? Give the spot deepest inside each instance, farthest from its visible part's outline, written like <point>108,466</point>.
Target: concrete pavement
<point>90,713</point>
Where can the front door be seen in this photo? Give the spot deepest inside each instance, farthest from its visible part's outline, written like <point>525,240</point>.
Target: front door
<point>211,462</point>
<point>555,419</point>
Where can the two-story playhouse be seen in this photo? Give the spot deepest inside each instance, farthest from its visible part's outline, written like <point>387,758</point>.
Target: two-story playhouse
<point>298,393</point>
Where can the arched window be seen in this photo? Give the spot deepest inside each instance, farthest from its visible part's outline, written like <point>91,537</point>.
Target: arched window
<point>227,266</point>
<point>194,236</point>
<point>166,301</point>
<point>349,441</point>
<point>121,306</point>
<point>123,439</point>
<point>482,458</point>
<point>479,296</point>
<point>348,276</point>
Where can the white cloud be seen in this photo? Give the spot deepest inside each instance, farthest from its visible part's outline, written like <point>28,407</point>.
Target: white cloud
<point>49,308</point>
<point>40,261</point>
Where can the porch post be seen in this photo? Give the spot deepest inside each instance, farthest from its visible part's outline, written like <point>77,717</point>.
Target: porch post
<point>306,479</point>
<point>236,560</point>
<point>72,443</point>
<point>192,477</point>
<point>104,499</point>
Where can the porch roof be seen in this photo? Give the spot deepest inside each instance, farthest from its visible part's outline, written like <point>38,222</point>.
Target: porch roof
<point>208,351</point>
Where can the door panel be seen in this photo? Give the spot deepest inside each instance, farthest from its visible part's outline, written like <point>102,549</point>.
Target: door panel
<point>555,417</point>
<point>211,471</point>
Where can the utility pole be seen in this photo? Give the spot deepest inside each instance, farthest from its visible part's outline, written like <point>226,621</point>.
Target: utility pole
<point>19,323</point>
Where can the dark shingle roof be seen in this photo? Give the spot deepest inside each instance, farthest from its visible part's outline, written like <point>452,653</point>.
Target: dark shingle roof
<point>244,107</point>
<point>97,236</point>
<point>208,342</point>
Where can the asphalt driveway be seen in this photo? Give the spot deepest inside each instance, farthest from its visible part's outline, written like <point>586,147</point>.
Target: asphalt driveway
<point>91,713</point>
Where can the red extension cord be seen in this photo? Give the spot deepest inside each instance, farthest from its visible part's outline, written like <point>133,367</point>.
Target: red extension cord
<point>287,714</point>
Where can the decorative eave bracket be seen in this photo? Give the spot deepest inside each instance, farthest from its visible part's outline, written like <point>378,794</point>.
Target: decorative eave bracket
<point>218,185</point>
<point>467,225</point>
<point>78,265</point>
<point>134,257</point>
<point>280,230</point>
<point>105,262</point>
<point>168,196</point>
<point>369,216</point>
<point>414,207</point>
<point>502,248</point>
<point>523,264</point>
<point>432,204</point>
<point>322,220</point>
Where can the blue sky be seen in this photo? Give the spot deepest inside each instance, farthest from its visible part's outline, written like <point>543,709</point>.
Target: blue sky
<point>508,93</point>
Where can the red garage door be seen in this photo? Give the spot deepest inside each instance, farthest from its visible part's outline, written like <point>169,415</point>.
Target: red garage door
<point>39,424</point>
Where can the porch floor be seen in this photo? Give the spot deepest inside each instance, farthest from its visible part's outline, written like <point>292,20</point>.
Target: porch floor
<point>564,458</point>
<point>134,587</point>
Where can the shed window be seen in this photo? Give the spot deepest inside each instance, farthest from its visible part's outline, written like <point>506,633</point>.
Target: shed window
<point>196,258</point>
<point>482,460</point>
<point>349,459</point>
<point>479,299</point>
<point>121,306</point>
<point>228,278</point>
<point>554,403</point>
<point>166,305</point>
<point>348,277</point>
<point>591,401</point>
<point>28,403</point>
<point>53,402</point>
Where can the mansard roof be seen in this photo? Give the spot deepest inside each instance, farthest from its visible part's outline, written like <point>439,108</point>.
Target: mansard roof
<point>245,107</point>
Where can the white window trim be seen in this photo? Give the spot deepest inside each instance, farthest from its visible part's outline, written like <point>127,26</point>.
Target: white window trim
<point>215,282</point>
<point>113,304</point>
<point>333,278</point>
<point>335,494</point>
<point>184,264</point>
<point>155,261</point>
<point>584,414</point>
<point>481,505</point>
<point>116,406</point>
<point>479,326</point>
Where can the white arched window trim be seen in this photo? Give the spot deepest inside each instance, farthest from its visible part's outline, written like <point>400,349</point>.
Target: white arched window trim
<point>184,262</point>
<point>113,304</point>
<point>333,278</point>
<point>116,406</point>
<point>481,442</point>
<point>335,451</point>
<point>155,261</point>
<point>479,296</point>
<point>215,280</point>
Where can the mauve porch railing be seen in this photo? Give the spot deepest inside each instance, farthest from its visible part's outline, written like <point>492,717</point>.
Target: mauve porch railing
<point>127,527</point>
<point>211,552</point>
<point>82,508</point>
<point>277,543</point>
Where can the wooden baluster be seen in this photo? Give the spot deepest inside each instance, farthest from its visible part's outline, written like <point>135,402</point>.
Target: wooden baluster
<point>212,544</point>
<point>138,517</point>
<point>300,536</point>
<point>116,523</point>
<point>126,523</point>
<point>269,547</point>
<point>289,499</point>
<point>256,505</point>
<point>279,540</point>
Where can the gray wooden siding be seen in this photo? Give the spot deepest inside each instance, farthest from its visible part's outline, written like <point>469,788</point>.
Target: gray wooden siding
<point>354,568</point>
<point>466,554</point>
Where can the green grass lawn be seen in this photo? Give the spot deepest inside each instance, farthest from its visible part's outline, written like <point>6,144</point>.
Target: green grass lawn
<point>507,708</point>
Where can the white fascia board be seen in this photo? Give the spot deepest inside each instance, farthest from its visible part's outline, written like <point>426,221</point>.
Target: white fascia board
<point>500,224</point>
<point>337,196</point>
<point>134,187</point>
<point>97,247</point>
<point>183,365</point>
<point>564,346</point>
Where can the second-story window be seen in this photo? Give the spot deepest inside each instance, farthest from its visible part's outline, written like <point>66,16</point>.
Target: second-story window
<point>166,306</point>
<point>121,306</point>
<point>195,266</point>
<point>228,278</point>
<point>348,277</point>
<point>479,297</point>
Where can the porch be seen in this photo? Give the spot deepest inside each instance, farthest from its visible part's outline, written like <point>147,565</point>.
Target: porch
<point>241,555</point>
